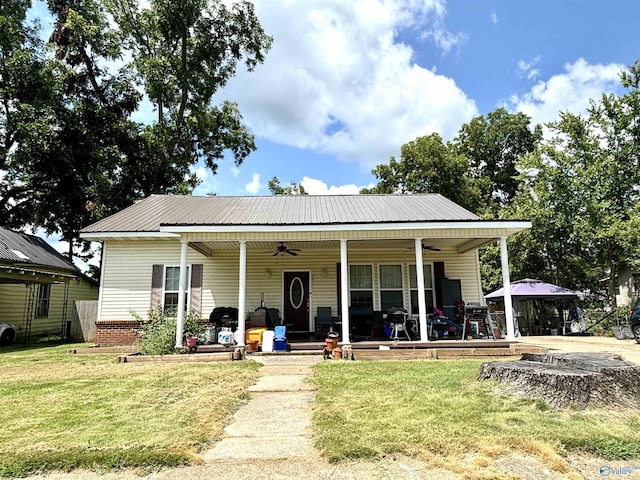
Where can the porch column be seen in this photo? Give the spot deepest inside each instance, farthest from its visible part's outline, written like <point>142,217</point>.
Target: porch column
<point>508,306</point>
<point>182,288</point>
<point>422,304</point>
<point>242,293</point>
<point>344,297</point>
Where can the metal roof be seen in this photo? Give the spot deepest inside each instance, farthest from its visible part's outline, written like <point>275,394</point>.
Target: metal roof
<point>21,249</point>
<point>149,214</point>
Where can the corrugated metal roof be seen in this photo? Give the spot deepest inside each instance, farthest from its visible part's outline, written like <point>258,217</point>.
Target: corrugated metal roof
<point>148,214</point>
<point>23,249</point>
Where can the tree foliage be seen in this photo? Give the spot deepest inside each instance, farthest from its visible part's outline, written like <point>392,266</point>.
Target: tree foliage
<point>293,188</point>
<point>70,149</point>
<point>427,165</point>
<point>492,146</point>
<point>183,52</point>
<point>582,190</point>
<point>27,88</point>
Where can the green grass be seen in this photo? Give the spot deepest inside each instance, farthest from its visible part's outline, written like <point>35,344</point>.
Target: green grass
<point>63,411</point>
<point>368,409</point>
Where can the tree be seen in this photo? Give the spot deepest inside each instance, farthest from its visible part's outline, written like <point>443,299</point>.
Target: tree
<point>74,173</point>
<point>293,188</point>
<point>80,156</point>
<point>492,145</point>
<point>26,82</point>
<point>582,189</point>
<point>183,52</point>
<point>550,250</point>
<point>427,165</point>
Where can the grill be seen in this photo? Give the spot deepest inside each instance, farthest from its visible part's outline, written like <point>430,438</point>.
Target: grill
<point>396,315</point>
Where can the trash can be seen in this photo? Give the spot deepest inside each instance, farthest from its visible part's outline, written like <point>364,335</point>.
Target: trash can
<point>267,340</point>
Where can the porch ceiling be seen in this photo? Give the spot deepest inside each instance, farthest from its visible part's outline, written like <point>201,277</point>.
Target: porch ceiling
<point>267,246</point>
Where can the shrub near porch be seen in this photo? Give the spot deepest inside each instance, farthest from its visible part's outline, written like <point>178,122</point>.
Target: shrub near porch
<point>67,411</point>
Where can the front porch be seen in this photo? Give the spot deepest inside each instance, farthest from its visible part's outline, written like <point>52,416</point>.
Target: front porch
<point>306,287</point>
<point>391,350</point>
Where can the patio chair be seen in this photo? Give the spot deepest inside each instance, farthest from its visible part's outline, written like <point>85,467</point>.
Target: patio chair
<point>323,322</point>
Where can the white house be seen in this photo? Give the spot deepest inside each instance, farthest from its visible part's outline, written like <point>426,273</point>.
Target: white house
<point>294,253</point>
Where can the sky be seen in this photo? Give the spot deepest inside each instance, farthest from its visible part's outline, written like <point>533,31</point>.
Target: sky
<point>347,83</point>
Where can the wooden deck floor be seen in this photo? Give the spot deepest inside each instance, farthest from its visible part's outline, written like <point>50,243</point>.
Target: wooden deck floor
<point>442,349</point>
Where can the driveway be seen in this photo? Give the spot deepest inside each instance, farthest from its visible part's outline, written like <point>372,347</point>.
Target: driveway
<point>629,349</point>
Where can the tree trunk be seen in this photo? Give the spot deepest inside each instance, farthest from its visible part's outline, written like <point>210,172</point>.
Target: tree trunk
<point>563,380</point>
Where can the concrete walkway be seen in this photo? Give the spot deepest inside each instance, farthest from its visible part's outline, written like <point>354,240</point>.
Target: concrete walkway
<point>629,349</point>
<point>275,423</point>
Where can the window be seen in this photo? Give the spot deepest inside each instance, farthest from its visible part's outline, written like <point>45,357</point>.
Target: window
<point>428,288</point>
<point>390,287</point>
<point>361,285</point>
<point>44,295</point>
<point>171,287</point>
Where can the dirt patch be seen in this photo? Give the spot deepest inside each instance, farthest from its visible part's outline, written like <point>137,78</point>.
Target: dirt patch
<point>392,467</point>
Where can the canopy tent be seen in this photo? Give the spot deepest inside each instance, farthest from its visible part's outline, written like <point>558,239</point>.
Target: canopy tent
<point>532,312</point>
<point>529,287</point>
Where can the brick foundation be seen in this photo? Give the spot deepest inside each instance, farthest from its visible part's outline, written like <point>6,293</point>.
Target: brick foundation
<point>120,332</point>
<point>116,332</point>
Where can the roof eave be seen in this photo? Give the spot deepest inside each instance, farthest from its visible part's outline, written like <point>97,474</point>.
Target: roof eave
<point>512,226</point>
<point>169,231</point>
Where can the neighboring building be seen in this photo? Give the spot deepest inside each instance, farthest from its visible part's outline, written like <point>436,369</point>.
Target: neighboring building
<point>627,287</point>
<point>38,286</point>
<point>293,253</point>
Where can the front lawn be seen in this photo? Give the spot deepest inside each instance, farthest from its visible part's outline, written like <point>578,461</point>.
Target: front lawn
<point>63,411</point>
<point>437,408</point>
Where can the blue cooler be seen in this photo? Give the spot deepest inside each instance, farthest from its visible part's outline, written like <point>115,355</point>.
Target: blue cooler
<point>280,338</point>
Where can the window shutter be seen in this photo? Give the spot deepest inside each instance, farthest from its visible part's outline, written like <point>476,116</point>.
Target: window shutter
<point>438,273</point>
<point>196,287</point>
<point>157,276</point>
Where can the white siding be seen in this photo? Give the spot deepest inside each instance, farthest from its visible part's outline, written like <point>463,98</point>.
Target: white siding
<point>127,269</point>
<point>627,294</point>
<point>126,275</point>
<point>14,303</point>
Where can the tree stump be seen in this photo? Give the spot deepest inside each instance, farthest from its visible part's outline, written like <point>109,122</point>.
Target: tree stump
<point>568,379</point>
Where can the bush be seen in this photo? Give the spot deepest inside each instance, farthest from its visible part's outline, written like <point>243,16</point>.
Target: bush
<point>157,334</point>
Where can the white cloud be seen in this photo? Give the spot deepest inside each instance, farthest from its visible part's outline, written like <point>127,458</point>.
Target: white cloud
<point>254,186</point>
<point>527,69</point>
<point>337,80</point>
<point>201,172</point>
<point>569,91</point>
<point>235,171</point>
<point>494,17</point>
<point>317,187</point>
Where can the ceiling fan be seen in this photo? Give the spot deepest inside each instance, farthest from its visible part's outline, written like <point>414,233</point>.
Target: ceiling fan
<point>282,248</point>
<point>428,247</point>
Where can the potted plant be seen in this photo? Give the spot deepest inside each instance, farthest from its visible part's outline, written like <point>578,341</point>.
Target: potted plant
<point>192,329</point>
